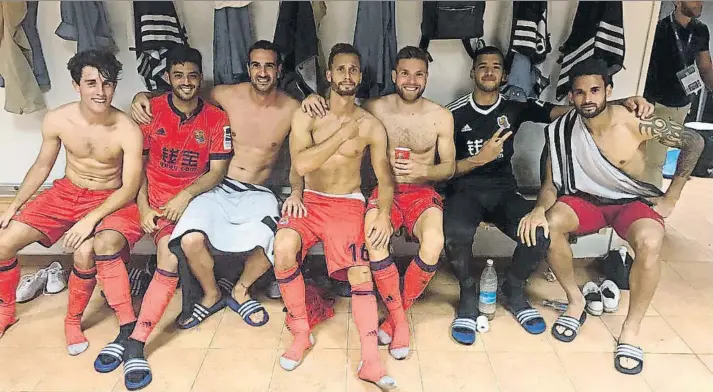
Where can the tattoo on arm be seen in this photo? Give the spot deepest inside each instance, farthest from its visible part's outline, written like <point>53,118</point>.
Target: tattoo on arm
<point>673,134</point>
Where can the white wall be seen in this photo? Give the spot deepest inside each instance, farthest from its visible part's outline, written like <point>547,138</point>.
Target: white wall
<point>448,77</point>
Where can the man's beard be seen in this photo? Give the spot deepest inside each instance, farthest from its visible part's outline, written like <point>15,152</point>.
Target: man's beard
<point>402,93</point>
<point>688,12</point>
<point>342,92</point>
<point>486,89</point>
<point>262,89</point>
<point>183,96</point>
<point>593,114</point>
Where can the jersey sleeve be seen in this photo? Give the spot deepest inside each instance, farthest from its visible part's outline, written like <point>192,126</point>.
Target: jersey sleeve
<point>221,140</point>
<point>146,132</point>
<point>537,111</point>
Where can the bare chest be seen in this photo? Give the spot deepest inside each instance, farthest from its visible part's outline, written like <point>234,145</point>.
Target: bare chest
<point>96,144</point>
<point>265,130</point>
<point>415,133</point>
<point>621,149</point>
<point>352,148</point>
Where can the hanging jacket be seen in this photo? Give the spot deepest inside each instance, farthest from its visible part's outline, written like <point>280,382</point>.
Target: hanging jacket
<point>232,37</point>
<point>375,39</point>
<point>156,30</point>
<point>529,46</point>
<point>86,22</point>
<point>452,20</point>
<point>296,36</point>
<point>22,94</point>
<point>319,11</point>
<point>39,66</point>
<point>597,31</point>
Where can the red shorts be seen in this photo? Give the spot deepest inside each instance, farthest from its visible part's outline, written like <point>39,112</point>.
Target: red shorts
<point>410,201</point>
<point>57,209</point>
<point>619,216</point>
<point>164,226</point>
<point>338,222</point>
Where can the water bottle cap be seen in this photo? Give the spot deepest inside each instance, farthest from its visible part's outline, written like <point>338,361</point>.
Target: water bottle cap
<point>490,262</point>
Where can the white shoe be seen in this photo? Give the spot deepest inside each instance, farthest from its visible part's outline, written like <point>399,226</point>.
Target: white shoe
<point>31,286</point>
<point>56,280</point>
<point>593,296</point>
<point>610,296</point>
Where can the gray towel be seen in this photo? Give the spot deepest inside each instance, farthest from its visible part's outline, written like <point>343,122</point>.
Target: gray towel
<point>39,67</point>
<point>232,37</point>
<point>375,39</point>
<point>86,22</point>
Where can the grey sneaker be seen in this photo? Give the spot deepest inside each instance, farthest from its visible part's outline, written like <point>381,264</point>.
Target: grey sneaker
<point>31,286</point>
<point>56,280</point>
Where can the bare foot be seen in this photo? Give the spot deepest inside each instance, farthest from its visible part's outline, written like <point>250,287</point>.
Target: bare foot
<point>241,294</point>
<point>629,335</point>
<point>574,310</point>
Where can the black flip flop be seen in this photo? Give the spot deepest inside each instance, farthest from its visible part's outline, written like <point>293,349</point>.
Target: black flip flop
<point>201,313</point>
<point>570,324</point>
<point>634,353</point>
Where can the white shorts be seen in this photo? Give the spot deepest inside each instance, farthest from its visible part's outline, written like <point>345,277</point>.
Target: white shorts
<point>235,217</point>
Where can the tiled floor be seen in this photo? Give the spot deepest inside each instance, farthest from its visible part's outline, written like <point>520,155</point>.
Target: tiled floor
<point>224,354</point>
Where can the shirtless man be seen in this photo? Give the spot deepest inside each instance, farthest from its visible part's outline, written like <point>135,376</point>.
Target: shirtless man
<point>240,214</point>
<point>594,166</point>
<point>425,128</point>
<point>187,147</point>
<point>328,153</point>
<point>95,197</point>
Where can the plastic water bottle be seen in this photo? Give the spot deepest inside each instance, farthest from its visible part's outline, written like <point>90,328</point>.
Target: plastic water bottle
<point>488,291</point>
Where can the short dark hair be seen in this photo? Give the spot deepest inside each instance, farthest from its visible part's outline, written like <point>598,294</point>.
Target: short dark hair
<point>411,52</point>
<point>490,49</point>
<point>342,48</point>
<point>184,54</point>
<point>589,67</point>
<point>265,45</point>
<point>105,62</point>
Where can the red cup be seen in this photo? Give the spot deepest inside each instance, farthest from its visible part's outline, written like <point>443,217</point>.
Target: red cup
<point>402,152</point>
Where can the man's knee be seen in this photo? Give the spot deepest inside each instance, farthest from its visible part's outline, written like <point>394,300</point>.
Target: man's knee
<point>167,261</point>
<point>84,256</point>
<point>287,244</point>
<point>561,218</point>
<point>647,246</point>
<point>432,245</point>
<point>108,243</point>
<point>542,242</point>
<point>193,242</point>
<point>359,275</point>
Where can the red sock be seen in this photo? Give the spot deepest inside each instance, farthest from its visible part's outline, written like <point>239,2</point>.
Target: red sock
<point>158,295</point>
<point>292,287</point>
<point>9,279</point>
<point>386,277</point>
<point>366,319</point>
<point>417,276</point>
<point>81,286</point>
<point>111,273</point>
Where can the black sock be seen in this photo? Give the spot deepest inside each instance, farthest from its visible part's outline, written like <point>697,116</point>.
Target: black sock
<point>468,304</point>
<point>124,332</point>
<point>135,349</point>
<point>514,292</point>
